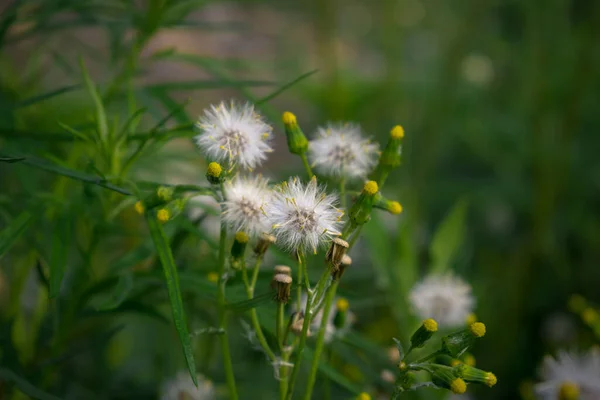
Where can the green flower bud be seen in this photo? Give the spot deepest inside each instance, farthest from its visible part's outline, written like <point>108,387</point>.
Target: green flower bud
<point>297,142</point>
<point>341,315</point>
<point>170,210</point>
<point>457,343</point>
<point>393,207</point>
<point>238,248</point>
<point>390,156</point>
<point>161,196</point>
<point>360,212</point>
<point>475,375</point>
<point>424,333</point>
<point>445,377</point>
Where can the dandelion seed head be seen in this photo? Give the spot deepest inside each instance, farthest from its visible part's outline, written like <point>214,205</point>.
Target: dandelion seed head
<point>234,134</point>
<point>340,150</point>
<point>303,216</point>
<point>245,199</point>
<point>445,298</point>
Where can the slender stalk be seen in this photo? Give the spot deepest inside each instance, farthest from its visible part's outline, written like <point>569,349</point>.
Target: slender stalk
<point>279,326</point>
<point>302,342</point>
<point>255,273</point>
<point>299,286</point>
<point>306,165</point>
<point>223,312</point>
<point>320,341</point>
<point>343,192</point>
<point>254,316</point>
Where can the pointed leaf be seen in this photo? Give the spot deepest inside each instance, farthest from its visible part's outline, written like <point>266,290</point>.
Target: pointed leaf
<point>60,253</point>
<point>448,238</point>
<point>14,230</point>
<point>101,120</point>
<point>172,280</point>
<point>45,96</point>
<point>245,305</point>
<point>24,386</point>
<point>119,293</point>
<point>285,87</point>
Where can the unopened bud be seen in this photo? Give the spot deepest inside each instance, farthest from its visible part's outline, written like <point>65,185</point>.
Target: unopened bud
<point>139,207</point>
<point>341,315</point>
<point>283,269</point>
<point>363,396</point>
<point>445,377</point>
<point>263,244</point>
<point>238,248</point>
<point>475,375</point>
<point>457,343</point>
<point>390,157</point>
<point>568,391</point>
<point>360,212</point>
<point>163,215</point>
<point>297,142</point>
<point>393,207</point>
<point>283,285</point>
<point>336,252</point>
<point>214,173</point>
<point>161,196</point>
<point>424,333</point>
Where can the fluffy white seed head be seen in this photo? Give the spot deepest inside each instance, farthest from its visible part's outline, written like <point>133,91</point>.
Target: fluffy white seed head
<point>245,199</point>
<point>234,134</point>
<point>580,371</point>
<point>445,298</point>
<point>340,150</point>
<point>303,216</point>
<point>182,387</point>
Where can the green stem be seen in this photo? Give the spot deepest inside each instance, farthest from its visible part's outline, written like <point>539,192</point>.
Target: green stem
<point>320,341</point>
<point>255,273</point>
<point>223,312</point>
<point>306,165</point>
<point>343,192</point>
<point>302,342</point>
<point>279,326</point>
<point>254,316</point>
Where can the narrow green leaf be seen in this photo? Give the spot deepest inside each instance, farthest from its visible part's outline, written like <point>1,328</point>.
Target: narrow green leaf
<point>285,87</point>
<point>172,280</point>
<point>14,230</point>
<point>11,159</point>
<point>119,294</point>
<point>208,84</point>
<point>246,305</point>
<point>46,166</point>
<point>60,253</point>
<point>45,96</point>
<point>333,374</point>
<point>101,120</point>
<point>25,387</point>
<point>448,238</point>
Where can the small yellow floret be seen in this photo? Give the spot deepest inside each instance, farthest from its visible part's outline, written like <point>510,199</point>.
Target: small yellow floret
<point>363,396</point>
<point>568,391</point>
<point>214,169</point>
<point>469,360</point>
<point>395,207</point>
<point>430,325</point>
<point>241,237</point>
<point>163,215</point>
<point>477,329</point>
<point>397,132</point>
<point>471,319</point>
<point>139,207</point>
<point>342,304</point>
<point>490,379</point>
<point>289,118</point>
<point>371,188</point>
<point>212,277</point>
<point>455,363</point>
<point>402,366</point>
<point>458,386</point>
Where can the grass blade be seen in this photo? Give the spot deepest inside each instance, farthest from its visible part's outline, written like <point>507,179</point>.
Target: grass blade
<point>119,294</point>
<point>448,238</point>
<point>25,386</point>
<point>45,96</point>
<point>161,244</point>
<point>285,87</point>
<point>60,254</point>
<point>14,230</point>
<point>245,305</point>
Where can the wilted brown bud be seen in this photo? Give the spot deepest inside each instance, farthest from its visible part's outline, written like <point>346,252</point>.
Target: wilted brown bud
<point>336,252</point>
<point>345,263</point>
<point>263,244</point>
<point>283,269</point>
<point>283,285</point>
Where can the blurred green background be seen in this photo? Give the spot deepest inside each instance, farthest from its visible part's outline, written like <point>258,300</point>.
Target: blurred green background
<point>500,101</point>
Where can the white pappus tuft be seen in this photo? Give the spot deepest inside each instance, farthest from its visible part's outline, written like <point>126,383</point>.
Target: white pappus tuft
<point>303,216</point>
<point>570,374</point>
<point>445,298</point>
<point>243,206</point>
<point>234,134</point>
<point>341,151</point>
<point>182,387</point>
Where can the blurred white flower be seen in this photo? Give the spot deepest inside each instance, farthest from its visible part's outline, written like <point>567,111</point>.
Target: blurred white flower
<point>570,376</point>
<point>234,134</point>
<point>340,151</point>
<point>477,69</point>
<point>445,298</point>
<point>182,387</point>
<point>244,202</point>
<point>303,216</point>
